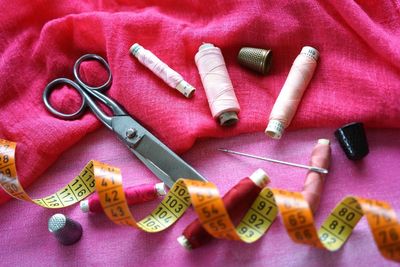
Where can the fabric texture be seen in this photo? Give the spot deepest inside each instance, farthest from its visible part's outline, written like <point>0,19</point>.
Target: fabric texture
<point>27,242</point>
<point>357,76</point>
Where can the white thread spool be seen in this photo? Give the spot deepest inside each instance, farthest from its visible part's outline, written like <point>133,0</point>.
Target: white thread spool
<point>217,84</point>
<point>162,70</point>
<point>289,98</point>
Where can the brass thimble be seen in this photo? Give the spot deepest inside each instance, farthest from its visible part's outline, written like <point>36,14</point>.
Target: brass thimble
<point>256,59</point>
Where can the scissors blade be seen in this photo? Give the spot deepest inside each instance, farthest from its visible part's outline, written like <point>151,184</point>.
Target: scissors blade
<point>155,169</point>
<point>161,160</point>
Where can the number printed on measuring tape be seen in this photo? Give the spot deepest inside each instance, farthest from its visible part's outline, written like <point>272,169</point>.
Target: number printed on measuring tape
<point>79,188</point>
<point>204,196</point>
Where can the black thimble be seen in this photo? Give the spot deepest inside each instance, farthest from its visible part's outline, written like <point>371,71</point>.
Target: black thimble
<point>256,59</point>
<point>353,140</point>
<point>66,231</point>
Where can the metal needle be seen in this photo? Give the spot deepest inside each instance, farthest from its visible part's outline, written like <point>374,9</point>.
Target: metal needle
<point>311,168</point>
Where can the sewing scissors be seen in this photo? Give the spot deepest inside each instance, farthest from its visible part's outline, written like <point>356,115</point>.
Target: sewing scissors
<point>161,160</point>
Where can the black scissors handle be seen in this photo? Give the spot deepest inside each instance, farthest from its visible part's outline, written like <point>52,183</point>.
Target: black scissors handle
<point>87,93</point>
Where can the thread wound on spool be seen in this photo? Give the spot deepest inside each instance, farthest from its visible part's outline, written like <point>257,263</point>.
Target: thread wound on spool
<point>292,91</point>
<point>314,182</point>
<point>162,70</point>
<point>217,84</point>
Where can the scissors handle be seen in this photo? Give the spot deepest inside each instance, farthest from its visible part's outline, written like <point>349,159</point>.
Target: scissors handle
<point>86,91</point>
<point>49,89</point>
<point>103,62</point>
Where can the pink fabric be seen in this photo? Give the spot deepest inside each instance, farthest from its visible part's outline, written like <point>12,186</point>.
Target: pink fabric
<point>25,240</point>
<point>356,79</point>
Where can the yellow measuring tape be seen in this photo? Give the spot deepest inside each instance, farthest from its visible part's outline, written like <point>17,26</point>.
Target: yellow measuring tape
<point>204,196</point>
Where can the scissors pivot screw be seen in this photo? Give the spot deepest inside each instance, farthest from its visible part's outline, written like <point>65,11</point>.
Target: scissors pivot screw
<point>130,133</point>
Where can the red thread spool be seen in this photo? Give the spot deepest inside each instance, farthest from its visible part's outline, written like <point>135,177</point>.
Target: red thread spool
<point>134,195</point>
<point>237,201</point>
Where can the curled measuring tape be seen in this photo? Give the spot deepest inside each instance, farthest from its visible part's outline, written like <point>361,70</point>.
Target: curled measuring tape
<point>79,188</point>
<point>296,214</point>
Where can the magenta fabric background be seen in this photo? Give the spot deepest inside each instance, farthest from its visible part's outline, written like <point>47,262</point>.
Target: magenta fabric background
<point>357,78</point>
<point>25,240</point>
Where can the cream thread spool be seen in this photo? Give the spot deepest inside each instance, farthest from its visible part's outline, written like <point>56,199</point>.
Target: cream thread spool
<point>162,70</point>
<point>217,84</point>
<point>292,91</point>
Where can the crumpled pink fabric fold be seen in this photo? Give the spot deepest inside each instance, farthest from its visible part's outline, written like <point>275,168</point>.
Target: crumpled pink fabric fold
<point>357,77</point>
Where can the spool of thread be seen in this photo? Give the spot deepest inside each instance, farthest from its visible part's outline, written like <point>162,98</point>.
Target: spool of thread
<point>237,201</point>
<point>134,195</point>
<point>292,91</point>
<point>313,185</point>
<point>217,84</point>
<point>162,70</point>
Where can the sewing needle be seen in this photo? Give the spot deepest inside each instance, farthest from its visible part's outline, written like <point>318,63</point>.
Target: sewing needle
<point>311,168</point>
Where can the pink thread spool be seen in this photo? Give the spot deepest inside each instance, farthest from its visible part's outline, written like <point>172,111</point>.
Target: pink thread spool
<point>314,183</point>
<point>134,195</point>
<point>217,84</point>
<point>292,91</point>
<point>162,70</point>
